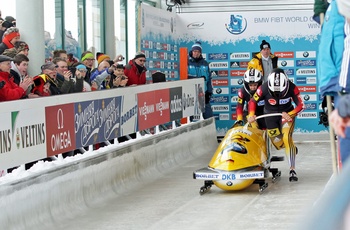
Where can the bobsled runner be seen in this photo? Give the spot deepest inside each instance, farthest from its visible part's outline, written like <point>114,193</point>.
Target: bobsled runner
<point>241,159</point>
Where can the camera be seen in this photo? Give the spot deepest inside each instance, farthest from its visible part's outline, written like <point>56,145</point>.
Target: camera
<point>121,58</point>
<point>123,78</point>
<point>323,119</point>
<point>2,84</point>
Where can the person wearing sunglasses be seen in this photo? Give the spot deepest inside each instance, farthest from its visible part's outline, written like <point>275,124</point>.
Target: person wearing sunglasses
<point>135,70</point>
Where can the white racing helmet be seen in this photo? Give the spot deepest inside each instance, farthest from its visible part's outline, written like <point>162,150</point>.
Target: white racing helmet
<point>252,76</point>
<point>278,83</point>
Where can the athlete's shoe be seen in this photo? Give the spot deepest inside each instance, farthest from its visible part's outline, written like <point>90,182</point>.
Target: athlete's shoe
<point>292,176</point>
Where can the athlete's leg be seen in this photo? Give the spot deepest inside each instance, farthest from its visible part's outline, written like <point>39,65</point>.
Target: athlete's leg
<point>273,130</point>
<point>291,150</point>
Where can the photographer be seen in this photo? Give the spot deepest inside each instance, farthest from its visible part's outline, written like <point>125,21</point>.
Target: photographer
<point>68,82</point>
<point>118,77</point>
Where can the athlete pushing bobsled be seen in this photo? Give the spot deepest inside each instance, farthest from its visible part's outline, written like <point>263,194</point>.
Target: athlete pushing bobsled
<point>242,157</point>
<point>278,94</point>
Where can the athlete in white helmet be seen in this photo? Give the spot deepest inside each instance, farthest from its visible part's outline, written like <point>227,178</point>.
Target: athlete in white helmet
<point>278,93</point>
<point>252,79</point>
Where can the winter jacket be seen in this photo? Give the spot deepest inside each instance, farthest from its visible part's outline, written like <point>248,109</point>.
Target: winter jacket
<point>10,91</point>
<point>256,63</point>
<point>330,52</point>
<point>344,78</point>
<point>99,77</point>
<point>199,67</point>
<point>133,74</point>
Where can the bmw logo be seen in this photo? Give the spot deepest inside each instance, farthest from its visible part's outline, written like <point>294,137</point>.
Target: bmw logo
<point>306,97</point>
<point>229,183</point>
<point>305,54</point>
<point>218,90</point>
<point>283,63</point>
<point>240,82</point>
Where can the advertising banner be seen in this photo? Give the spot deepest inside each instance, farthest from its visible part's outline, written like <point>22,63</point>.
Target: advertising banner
<point>159,42</point>
<point>49,126</point>
<point>22,137</point>
<point>60,125</point>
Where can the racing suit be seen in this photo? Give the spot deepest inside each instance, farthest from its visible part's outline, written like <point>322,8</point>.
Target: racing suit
<point>245,96</point>
<point>279,130</point>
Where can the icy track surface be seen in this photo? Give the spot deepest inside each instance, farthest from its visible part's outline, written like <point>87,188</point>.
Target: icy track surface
<point>163,195</point>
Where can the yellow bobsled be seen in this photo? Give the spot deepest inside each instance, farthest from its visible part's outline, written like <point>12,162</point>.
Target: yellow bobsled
<point>241,159</point>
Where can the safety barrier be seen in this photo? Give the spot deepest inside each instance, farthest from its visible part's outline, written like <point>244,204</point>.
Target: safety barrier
<point>33,129</point>
<point>67,189</point>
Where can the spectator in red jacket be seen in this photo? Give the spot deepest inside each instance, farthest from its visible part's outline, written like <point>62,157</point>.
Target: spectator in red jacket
<point>135,70</point>
<point>8,89</point>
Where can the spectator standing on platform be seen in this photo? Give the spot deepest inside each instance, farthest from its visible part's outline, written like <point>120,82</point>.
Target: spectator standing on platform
<point>67,82</point>
<point>42,85</point>
<point>264,61</point>
<point>135,70</point>
<point>71,60</point>
<point>80,73</point>
<point>118,77</point>
<point>100,57</point>
<point>341,105</point>
<point>4,26</point>
<point>329,63</point>
<point>19,68</point>
<point>8,89</point>
<point>49,68</point>
<point>22,48</point>
<point>198,67</point>
<point>60,54</point>
<point>99,76</point>
<point>87,58</point>
<point>11,36</point>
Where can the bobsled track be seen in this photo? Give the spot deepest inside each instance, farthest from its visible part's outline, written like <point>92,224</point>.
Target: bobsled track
<point>148,184</point>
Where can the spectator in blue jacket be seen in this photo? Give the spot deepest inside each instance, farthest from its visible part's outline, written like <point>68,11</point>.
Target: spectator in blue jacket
<point>342,110</point>
<point>198,67</point>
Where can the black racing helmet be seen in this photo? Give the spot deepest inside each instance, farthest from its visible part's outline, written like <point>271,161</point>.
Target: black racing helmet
<point>252,76</point>
<point>278,83</point>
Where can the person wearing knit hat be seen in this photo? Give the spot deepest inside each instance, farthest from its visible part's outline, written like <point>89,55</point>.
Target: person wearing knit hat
<point>10,19</point>
<point>198,67</point>
<point>139,55</point>
<point>197,46</point>
<point>264,45</point>
<point>135,70</point>
<point>22,47</point>
<point>11,36</point>
<point>102,57</point>
<point>88,59</point>
<point>264,61</point>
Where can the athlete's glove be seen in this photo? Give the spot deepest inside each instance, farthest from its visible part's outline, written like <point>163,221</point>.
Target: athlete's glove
<point>238,123</point>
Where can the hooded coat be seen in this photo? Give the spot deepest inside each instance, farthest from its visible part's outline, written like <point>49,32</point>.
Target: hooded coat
<point>330,51</point>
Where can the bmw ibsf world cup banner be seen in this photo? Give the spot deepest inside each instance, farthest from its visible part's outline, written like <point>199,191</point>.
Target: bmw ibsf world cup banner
<point>230,41</point>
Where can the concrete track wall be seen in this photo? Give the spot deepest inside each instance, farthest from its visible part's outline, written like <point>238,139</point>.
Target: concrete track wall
<point>67,190</point>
